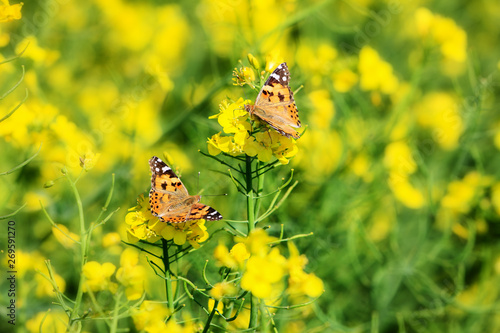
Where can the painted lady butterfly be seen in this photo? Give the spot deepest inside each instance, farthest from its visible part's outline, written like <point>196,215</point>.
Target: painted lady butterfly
<point>275,104</point>
<point>170,200</point>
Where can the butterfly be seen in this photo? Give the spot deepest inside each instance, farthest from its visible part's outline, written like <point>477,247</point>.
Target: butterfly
<point>275,104</point>
<point>170,200</point>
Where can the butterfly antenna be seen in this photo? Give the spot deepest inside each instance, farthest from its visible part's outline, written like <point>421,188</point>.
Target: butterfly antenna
<point>298,89</point>
<point>198,183</point>
<point>215,195</point>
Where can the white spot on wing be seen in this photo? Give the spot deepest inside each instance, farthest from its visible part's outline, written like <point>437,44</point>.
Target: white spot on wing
<point>275,76</point>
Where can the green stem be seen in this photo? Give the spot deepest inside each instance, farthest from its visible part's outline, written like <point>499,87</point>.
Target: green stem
<point>210,317</point>
<point>168,278</point>
<point>250,200</point>
<point>83,257</point>
<point>260,188</point>
<point>254,302</point>
<point>114,321</point>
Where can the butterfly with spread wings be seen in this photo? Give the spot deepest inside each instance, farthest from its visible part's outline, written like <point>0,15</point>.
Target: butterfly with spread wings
<point>170,200</point>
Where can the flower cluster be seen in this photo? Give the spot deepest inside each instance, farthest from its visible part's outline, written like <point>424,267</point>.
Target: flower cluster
<point>264,268</point>
<point>252,139</point>
<point>142,225</point>
<point>130,275</point>
<point>451,39</point>
<point>10,12</point>
<point>150,317</point>
<point>461,197</point>
<point>398,159</point>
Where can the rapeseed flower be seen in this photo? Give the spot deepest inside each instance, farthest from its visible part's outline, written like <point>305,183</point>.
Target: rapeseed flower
<point>222,289</point>
<point>10,12</point>
<point>495,197</point>
<point>462,194</point>
<point>344,80</point>
<point>451,39</point>
<point>259,141</point>
<point>150,316</point>
<point>398,159</point>
<point>263,273</point>
<point>144,226</point>
<point>131,274</point>
<point>55,321</point>
<point>97,276</point>
<point>299,282</point>
<point>460,199</point>
<point>440,112</point>
<point>376,74</point>
<point>44,288</point>
<point>232,259</point>
<point>64,236</point>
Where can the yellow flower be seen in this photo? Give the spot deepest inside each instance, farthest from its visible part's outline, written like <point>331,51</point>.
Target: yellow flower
<point>222,289</point>
<point>360,166</point>
<point>40,56</point>
<point>263,272</point>
<point>344,80</point>
<point>444,32</point>
<point>111,239</point>
<point>320,151</point>
<point>233,117</point>
<point>232,259</point>
<point>399,159</point>
<point>64,236</point>
<point>45,287</point>
<point>495,197</point>
<point>150,316</point>
<point>195,232</point>
<point>257,242</point>
<point>220,306</point>
<point>300,282</point>
<point>253,61</point>
<point>264,142</point>
<point>462,194</point>
<point>55,321</point>
<point>245,75</point>
<point>404,191</point>
<point>324,109</point>
<point>375,73</point>
<point>142,223</point>
<point>131,274</point>
<point>97,276</point>
<point>440,112</point>
<point>10,12</point>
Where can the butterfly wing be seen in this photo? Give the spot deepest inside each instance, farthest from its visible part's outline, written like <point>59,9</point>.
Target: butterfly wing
<point>167,190</point>
<point>275,104</point>
<point>170,200</point>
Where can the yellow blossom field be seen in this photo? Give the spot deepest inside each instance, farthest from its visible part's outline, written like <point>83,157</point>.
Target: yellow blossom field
<point>339,165</point>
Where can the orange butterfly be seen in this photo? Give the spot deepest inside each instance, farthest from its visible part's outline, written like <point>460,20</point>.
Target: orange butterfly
<point>170,200</point>
<point>275,104</point>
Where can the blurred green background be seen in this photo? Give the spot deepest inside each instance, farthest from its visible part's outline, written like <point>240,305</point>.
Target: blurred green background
<point>398,169</point>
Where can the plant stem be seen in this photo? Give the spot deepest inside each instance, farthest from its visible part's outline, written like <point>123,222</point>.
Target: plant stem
<point>83,254</point>
<point>250,201</point>
<point>168,279</point>
<point>254,302</point>
<point>210,317</point>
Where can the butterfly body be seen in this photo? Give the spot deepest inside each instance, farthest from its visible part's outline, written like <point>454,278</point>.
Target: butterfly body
<point>170,200</point>
<point>275,104</point>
